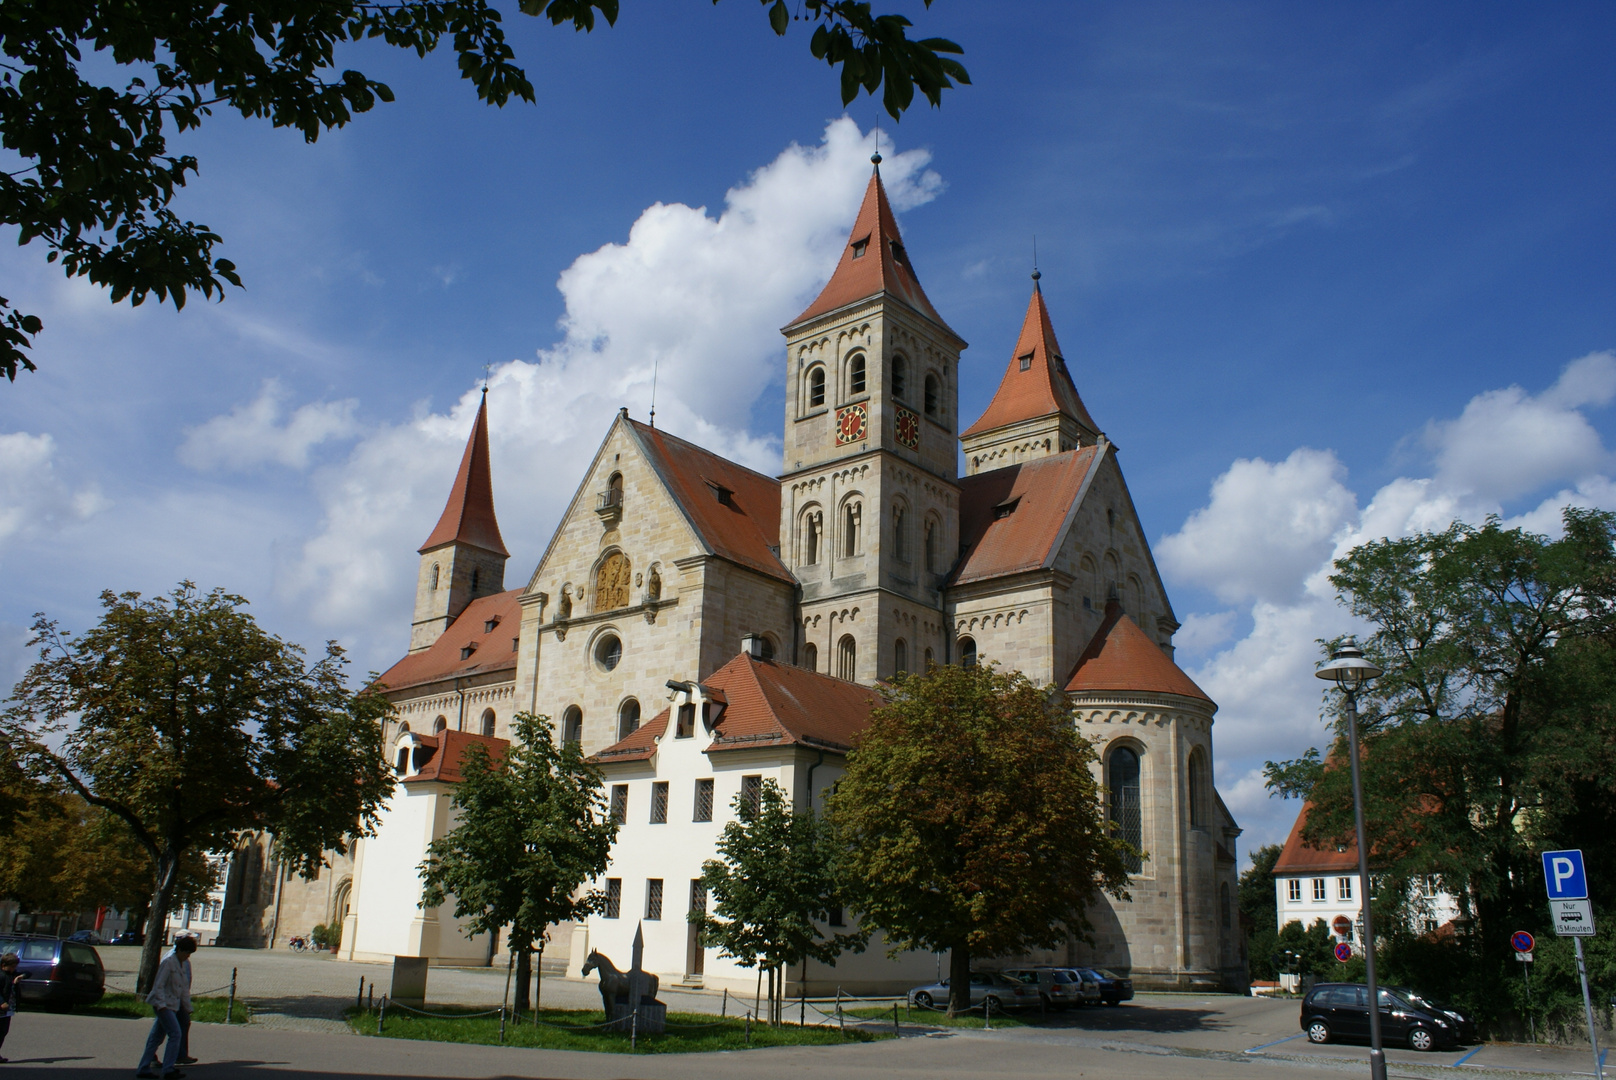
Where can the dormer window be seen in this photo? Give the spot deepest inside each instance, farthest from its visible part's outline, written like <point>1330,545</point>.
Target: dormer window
<point>1005,509</point>
<point>1026,362</point>
<point>687,722</point>
<point>489,624</point>
<point>465,652</point>
<point>897,252</point>
<point>723,494</point>
<point>860,247</point>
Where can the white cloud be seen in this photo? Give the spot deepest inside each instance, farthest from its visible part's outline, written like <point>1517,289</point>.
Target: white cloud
<point>1202,632</point>
<point>1269,534</point>
<point>254,434</point>
<point>1508,443</point>
<point>1267,525</point>
<point>33,494</point>
<point>690,299</point>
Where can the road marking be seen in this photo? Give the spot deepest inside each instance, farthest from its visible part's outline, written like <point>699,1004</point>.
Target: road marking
<point>1468,1056</point>
<point>1276,1042</point>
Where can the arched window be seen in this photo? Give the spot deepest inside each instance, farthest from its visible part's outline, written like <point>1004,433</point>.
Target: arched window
<point>852,516</point>
<point>855,375</point>
<point>768,647</point>
<point>440,725</point>
<point>810,656</point>
<point>967,649</point>
<point>475,573</point>
<point>900,655</point>
<point>1134,598</point>
<point>1197,776</point>
<point>488,721</point>
<point>434,577</point>
<point>1224,914</point>
<point>931,546</point>
<point>1126,814</point>
<point>933,394</point>
<point>900,533</point>
<point>628,718</point>
<point>1089,581</point>
<point>1113,578</point>
<point>572,725</point>
<point>813,526</point>
<point>612,582</point>
<point>614,490</point>
<point>900,375</point>
<point>846,658</point>
<point>816,387</point>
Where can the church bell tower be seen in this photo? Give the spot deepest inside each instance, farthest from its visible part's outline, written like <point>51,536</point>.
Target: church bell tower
<point>869,501</point>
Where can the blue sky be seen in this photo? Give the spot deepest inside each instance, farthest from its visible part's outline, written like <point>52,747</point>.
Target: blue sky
<point>1324,272</point>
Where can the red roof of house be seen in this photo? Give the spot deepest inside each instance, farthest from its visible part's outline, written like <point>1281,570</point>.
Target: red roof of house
<point>1012,519</point>
<point>1298,857</point>
<point>1045,387</point>
<point>1121,657</point>
<point>734,511</point>
<point>495,650</point>
<point>468,516</point>
<point>874,261</point>
<point>769,704</point>
<point>448,748</point>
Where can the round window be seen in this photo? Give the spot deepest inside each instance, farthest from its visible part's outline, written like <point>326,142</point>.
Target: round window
<point>608,651</point>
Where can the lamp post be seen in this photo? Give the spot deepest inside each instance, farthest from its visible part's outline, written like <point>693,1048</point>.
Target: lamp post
<point>1348,669</point>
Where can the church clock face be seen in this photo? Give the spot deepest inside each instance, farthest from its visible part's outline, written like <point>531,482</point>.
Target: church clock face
<point>852,423</point>
<point>907,425</point>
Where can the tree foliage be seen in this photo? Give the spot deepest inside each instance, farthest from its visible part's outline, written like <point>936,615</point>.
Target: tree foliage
<point>531,830</point>
<point>770,888</point>
<point>1492,735</point>
<point>190,724</point>
<point>1259,910</point>
<point>969,819</point>
<point>99,179</point>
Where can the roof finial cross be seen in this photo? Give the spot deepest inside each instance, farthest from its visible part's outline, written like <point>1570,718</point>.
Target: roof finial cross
<point>485,379</point>
<point>1035,274</point>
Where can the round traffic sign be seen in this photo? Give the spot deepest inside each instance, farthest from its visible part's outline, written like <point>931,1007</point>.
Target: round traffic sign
<point>1343,951</point>
<point>1342,926</point>
<point>1521,941</point>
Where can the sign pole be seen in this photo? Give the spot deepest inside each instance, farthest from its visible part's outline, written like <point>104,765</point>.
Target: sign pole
<point>1588,1004</point>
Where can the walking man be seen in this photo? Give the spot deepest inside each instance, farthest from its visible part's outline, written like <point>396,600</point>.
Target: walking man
<point>170,997</point>
<point>8,994</point>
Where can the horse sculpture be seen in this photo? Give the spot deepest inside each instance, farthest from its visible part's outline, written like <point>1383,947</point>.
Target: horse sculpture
<point>614,984</point>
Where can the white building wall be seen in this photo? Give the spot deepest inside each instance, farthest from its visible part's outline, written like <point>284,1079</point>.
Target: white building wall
<point>1299,900</point>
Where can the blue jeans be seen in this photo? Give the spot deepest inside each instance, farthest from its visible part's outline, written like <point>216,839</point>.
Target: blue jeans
<point>166,1026</point>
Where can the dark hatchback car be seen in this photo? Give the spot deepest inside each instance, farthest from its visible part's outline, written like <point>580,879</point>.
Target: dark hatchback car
<point>1114,988</point>
<point>1340,1011</point>
<point>57,974</point>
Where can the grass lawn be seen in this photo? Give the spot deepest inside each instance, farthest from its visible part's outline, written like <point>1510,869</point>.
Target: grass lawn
<point>568,1029</point>
<point>938,1018</point>
<point>204,1010</point>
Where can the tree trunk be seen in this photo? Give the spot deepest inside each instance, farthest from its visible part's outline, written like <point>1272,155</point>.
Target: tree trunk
<point>538,982</point>
<point>151,952</point>
<point>524,975</point>
<point>959,979</point>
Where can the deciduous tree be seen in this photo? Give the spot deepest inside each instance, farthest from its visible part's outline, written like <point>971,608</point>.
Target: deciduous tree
<point>969,820</point>
<point>770,888</point>
<point>98,180</point>
<point>531,830</point>
<point>185,720</point>
<point>1259,910</point>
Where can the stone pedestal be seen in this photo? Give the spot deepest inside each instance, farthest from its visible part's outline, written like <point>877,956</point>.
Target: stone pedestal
<point>653,1017</point>
<point>409,981</point>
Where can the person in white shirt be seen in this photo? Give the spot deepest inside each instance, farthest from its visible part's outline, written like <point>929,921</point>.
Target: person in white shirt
<point>170,996</point>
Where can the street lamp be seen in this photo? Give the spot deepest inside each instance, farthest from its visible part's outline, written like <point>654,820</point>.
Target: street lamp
<point>1348,669</point>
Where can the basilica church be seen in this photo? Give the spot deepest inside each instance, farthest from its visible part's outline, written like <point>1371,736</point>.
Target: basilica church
<point>700,627</point>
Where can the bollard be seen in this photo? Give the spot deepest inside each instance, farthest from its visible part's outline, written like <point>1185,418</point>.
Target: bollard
<point>381,1015</point>
<point>231,1007</point>
<point>987,1014</point>
<point>633,1029</point>
<point>896,1030</point>
<point>723,1010</point>
<point>748,1029</point>
<point>359,999</point>
<point>841,1017</point>
<point>502,1023</point>
<point>373,993</point>
<point>1043,1007</point>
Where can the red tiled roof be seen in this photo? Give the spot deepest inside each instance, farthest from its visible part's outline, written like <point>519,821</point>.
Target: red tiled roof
<point>447,751</point>
<point>468,517</point>
<point>442,659</point>
<point>882,265</point>
<point>1298,857</point>
<point>1040,495</point>
<point>769,704</point>
<point>1044,388</point>
<point>745,529</point>
<point>1121,657</point>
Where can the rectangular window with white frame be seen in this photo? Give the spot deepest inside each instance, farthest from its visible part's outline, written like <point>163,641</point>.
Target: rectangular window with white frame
<point>1293,891</point>
<point>1319,895</point>
<point>1343,888</point>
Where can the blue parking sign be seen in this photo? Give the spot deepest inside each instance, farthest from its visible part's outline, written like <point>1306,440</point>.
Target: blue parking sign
<point>1564,876</point>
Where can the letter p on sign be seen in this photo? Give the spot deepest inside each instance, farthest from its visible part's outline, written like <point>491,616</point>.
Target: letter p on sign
<point>1564,876</point>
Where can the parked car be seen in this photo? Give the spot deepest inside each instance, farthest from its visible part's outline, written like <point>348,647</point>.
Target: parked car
<point>130,937</point>
<point>57,974</point>
<point>1466,1027</point>
<point>1114,988</point>
<point>1004,992</point>
<point>1340,1011</point>
<point>1061,988</point>
<point>86,937</point>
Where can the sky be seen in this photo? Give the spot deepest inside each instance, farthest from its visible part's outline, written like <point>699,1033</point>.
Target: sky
<point>1324,273</point>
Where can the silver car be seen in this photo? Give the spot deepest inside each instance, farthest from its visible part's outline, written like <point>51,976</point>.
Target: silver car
<point>1060,988</point>
<point>1004,992</point>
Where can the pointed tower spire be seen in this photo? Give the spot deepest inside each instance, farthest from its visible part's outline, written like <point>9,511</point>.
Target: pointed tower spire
<point>873,262</point>
<point>1036,408</point>
<point>468,517</point>
<point>464,558</point>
